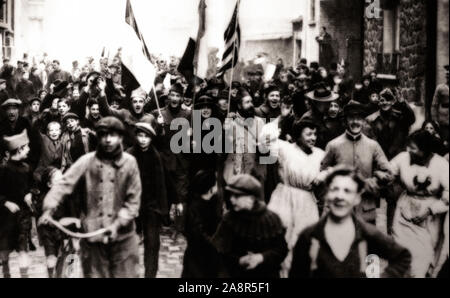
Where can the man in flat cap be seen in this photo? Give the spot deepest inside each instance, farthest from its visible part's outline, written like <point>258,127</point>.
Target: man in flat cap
<point>111,196</point>
<point>250,239</point>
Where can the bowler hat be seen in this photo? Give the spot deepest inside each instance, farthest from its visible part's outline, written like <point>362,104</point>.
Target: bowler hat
<point>322,94</point>
<point>60,88</point>
<point>270,89</point>
<point>244,184</point>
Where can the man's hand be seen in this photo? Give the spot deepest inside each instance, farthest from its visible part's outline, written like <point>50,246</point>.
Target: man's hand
<point>12,207</point>
<point>101,84</point>
<point>179,209</point>
<point>45,218</point>
<point>371,185</point>
<point>383,176</point>
<point>160,119</point>
<point>111,235</point>
<point>420,218</point>
<point>251,261</point>
<point>29,200</point>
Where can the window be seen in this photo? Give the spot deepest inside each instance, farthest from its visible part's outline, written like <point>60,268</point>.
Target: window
<point>391,30</point>
<point>312,11</point>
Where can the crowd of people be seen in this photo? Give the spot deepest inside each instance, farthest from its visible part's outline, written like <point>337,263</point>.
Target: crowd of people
<point>81,145</point>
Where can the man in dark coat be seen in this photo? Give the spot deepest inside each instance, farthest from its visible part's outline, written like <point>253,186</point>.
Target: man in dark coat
<point>203,216</point>
<point>176,164</point>
<point>154,206</point>
<point>342,246</point>
<point>250,239</point>
<point>25,89</point>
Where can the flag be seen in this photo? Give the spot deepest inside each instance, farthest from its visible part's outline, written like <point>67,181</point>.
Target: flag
<point>232,44</point>
<point>194,62</point>
<point>137,69</point>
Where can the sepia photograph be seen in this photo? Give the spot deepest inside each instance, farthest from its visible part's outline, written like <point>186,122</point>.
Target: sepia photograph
<point>238,142</point>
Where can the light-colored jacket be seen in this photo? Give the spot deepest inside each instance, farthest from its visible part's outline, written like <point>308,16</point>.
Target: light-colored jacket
<point>110,192</point>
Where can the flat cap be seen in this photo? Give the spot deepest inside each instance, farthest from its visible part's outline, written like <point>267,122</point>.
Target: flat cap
<point>108,124</point>
<point>244,184</point>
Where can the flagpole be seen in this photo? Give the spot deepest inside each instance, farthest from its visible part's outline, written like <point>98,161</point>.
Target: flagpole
<point>233,57</point>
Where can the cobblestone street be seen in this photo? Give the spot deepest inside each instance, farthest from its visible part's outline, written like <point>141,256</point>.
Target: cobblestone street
<point>170,260</point>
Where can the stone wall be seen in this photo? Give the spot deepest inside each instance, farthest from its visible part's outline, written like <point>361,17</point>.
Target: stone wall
<point>373,42</point>
<point>413,49</point>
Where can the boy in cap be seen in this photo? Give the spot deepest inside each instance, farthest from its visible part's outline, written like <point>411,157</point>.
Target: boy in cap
<point>250,239</point>
<point>110,198</point>
<point>154,206</point>
<point>15,202</point>
<point>76,141</point>
<point>14,124</point>
<point>340,245</point>
<point>355,149</point>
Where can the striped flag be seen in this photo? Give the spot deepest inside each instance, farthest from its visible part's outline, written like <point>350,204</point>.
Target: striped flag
<point>232,44</point>
<point>137,69</point>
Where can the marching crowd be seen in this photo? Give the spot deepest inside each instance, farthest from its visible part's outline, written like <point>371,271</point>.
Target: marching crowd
<point>79,145</point>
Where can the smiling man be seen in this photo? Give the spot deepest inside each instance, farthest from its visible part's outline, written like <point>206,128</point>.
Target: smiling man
<point>355,149</point>
<point>342,246</point>
<point>270,110</point>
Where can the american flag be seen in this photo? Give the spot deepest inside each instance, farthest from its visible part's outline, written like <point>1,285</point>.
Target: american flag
<point>232,44</point>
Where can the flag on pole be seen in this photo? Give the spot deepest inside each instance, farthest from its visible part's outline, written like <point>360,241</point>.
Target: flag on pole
<point>232,44</point>
<point>195,59</point>
<point>137,69</point>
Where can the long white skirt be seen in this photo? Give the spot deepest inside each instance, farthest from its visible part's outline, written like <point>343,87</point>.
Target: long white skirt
<point>297,209</point>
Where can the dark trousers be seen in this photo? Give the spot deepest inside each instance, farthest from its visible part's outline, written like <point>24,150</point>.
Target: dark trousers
<point>114,260</point>
<point>151,229</point>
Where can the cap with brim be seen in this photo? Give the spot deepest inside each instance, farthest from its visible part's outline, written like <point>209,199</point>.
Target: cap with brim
<point>70,116</point>
<point>92,73</point>
<point>178,88</point>
<point>15,142</point>
<point>271,88</point>
<point>12,102</point>
<point>35,99</point>
<point>354,108</point>
<point>322,94</point>
<point>109,124</point>
<point>146,128</point>
<point>244,184</point>
<point>204,101</point>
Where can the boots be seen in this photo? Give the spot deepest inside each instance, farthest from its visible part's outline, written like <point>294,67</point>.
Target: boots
<point>51,272</point>
<point>24,272</point>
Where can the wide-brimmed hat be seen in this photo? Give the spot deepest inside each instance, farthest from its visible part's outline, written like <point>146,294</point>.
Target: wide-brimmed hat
<point>15,142</point>
<point>11,102</point>
<point>322,94</point>
<point>61,88</point>
<point>244,184</point>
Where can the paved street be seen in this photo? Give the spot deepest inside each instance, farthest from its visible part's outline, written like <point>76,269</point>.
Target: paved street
<point>170,260</point>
